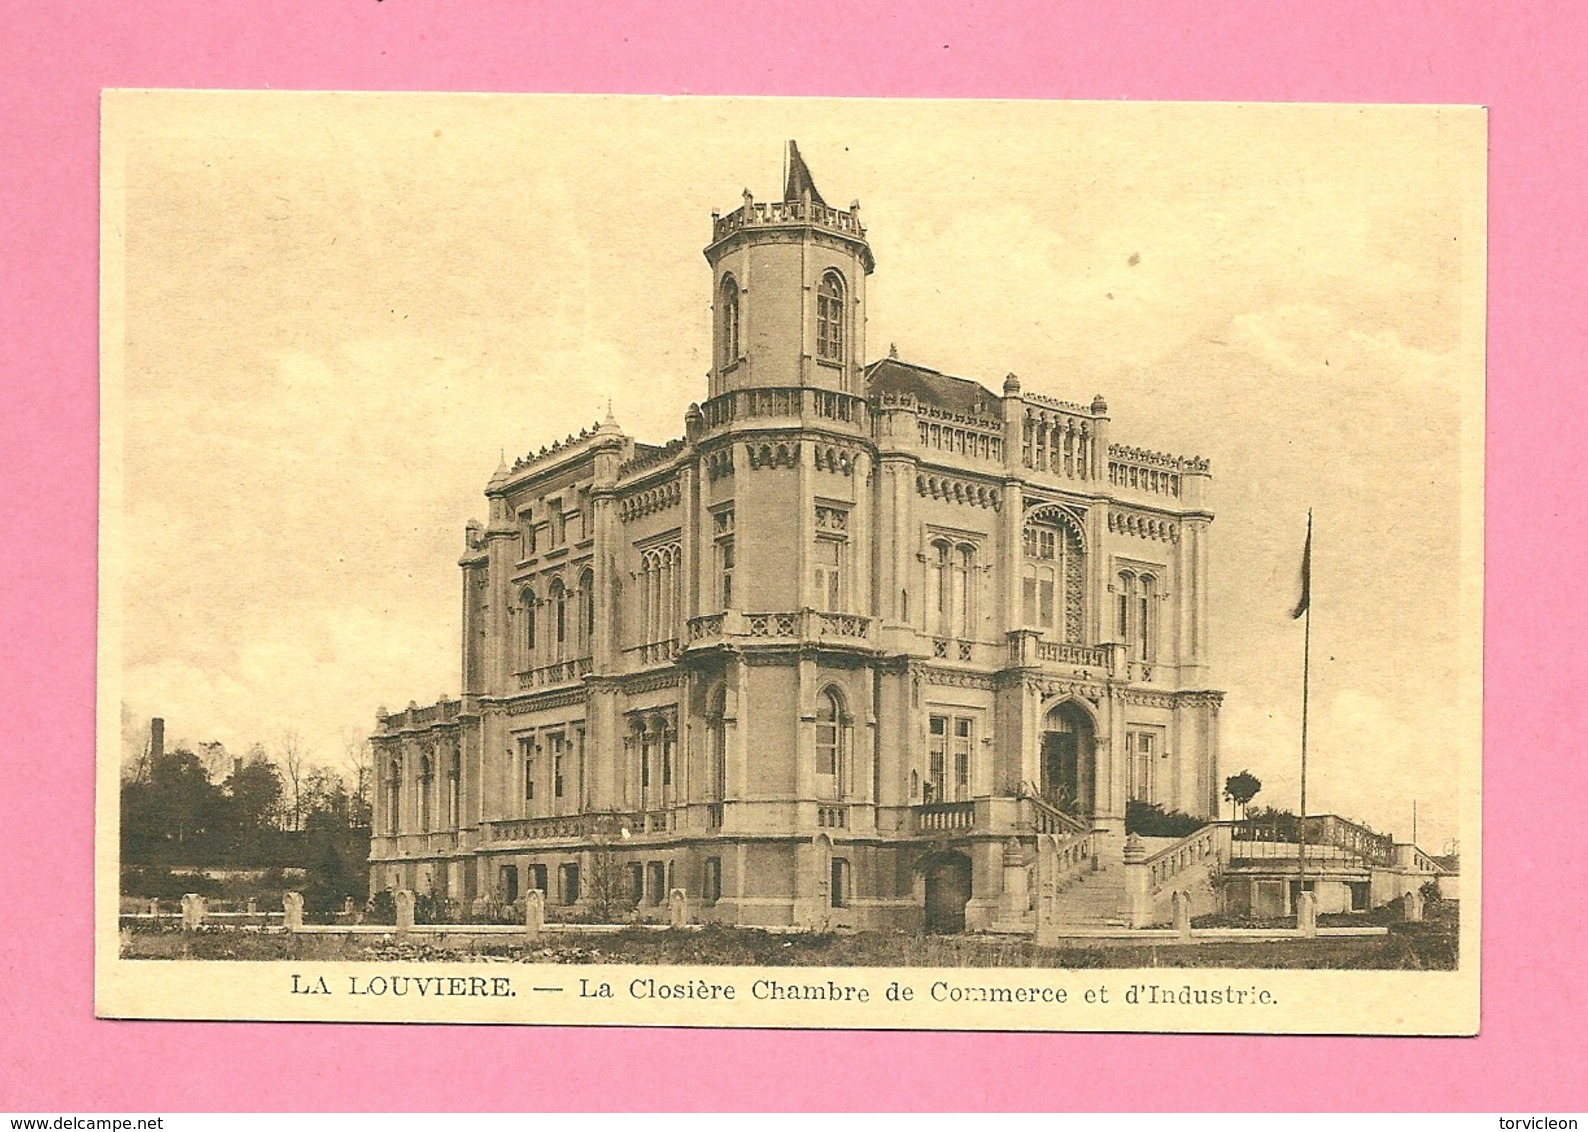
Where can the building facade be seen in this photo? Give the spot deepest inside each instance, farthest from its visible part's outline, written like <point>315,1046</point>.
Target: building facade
<point>844,653</point>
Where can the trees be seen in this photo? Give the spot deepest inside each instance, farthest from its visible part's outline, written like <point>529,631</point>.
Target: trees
<point>1240,789</point>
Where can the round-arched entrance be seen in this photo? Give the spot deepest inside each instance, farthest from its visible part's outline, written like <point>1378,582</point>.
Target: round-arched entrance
<point>1068,758</point>
<point>947,878</point>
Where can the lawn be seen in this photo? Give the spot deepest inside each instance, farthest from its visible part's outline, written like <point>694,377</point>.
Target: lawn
<point>1430,945</point>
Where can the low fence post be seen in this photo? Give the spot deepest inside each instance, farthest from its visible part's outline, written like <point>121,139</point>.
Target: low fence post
<point>1138,883</point>
<point>404,899</point>
<point>154,907</point>
<point>1181,902</point>
<point>534,914</point>
<point>1414,905</point>
<point>1307,915</point>
<point>192,911</point>
<point>292,911</point>
<point>677,908</point>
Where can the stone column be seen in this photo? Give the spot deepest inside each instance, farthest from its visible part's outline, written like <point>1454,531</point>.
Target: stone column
<point>1138,883</point>
<point>1013,899</point>
<point>292,910</point>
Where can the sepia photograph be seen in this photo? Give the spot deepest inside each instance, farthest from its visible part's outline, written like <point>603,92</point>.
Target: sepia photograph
<point>791,562</point>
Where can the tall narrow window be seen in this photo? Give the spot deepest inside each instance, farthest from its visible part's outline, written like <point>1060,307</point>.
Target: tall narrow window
<point>526,758</point>
<point>938,589</point>
<point>722,532</point>
<point>455,791</point>
<point>1054,576</point>
<point>828,715</point>
<point>1146,635</point>
<point>830,317</point>
<point>829,582</point>
<point>558,749</point>
<point>394,796</point>
<point>558,596</point>
<point>961,759</point>
<point>960,590</point>
<point>1126,598</point>
<point>935,786</point>
<point>426,782</point>
<point>729,342</point>
<point>716,744</point>
<point>587,612</point>
<point>530,609</point>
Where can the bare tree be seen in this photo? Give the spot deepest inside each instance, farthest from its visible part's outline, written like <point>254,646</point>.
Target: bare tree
<point>359,760</point>
<point>217,761</point>
<point>294,765</point>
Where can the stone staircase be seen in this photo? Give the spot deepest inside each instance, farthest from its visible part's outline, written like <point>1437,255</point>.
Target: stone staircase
<point>1093,900</point>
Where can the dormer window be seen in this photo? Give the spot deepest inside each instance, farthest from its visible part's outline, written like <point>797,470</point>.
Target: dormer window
<point>830,318</point>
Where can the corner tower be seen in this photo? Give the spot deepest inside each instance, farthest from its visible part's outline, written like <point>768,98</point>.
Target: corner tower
<point>788,291</point>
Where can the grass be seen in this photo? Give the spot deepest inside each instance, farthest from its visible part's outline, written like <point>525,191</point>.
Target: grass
<point>1430,945</point>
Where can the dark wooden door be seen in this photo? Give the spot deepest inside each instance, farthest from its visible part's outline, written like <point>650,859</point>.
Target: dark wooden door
<point>1061,777</point>
<point>947,893</point>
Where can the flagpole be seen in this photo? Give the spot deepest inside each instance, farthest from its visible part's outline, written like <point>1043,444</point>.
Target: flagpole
<point>1306,658</point>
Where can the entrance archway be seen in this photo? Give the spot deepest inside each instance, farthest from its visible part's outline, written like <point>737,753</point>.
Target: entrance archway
<point>1068,758</point>
<point>947,891</point>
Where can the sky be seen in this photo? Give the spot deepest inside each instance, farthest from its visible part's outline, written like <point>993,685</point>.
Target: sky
<point>340,310</point>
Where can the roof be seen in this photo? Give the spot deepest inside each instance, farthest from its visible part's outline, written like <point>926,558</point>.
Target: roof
<point>953,394</point>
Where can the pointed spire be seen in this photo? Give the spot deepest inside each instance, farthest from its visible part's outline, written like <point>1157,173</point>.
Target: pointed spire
<point>893,350</point>
<point>501,473</point>
<point>799,178</point>
<point>610,425</point>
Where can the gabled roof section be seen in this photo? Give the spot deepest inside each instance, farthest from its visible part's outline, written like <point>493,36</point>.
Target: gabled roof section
<point>951,394</point>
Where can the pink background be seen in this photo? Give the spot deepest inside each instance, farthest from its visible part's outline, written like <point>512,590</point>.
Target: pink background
<point>1526,62</point>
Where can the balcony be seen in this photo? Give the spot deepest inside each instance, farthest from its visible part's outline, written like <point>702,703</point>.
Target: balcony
<point>785,405</point>
<point>1027,649</point>
<point>807,626</point>
<point>1000,816</point>
<point>565,827</point>
<point>550,675</point>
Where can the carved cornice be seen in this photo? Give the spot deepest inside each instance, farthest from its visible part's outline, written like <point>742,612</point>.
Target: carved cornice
<point>957,678</point>
<point>1138,698</point>
<point>544,701</point>
<point>1143,525</point>
<point>659,498</point>
<point>1211,700</point>
<point>956,490</point>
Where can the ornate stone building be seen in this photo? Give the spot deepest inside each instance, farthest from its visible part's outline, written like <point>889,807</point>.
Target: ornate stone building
<point>847,652</point>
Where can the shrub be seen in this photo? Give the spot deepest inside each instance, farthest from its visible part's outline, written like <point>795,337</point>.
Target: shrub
<point>1151,820</point>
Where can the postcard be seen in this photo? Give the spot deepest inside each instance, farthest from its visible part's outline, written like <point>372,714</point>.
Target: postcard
<point>791,563</point>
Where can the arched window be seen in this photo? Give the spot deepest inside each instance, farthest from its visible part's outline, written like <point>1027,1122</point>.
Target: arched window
<point>1146,641</point>
<point>659,595</point>
<point>426,782</point>
<point>716,745</point>
<point>830,317</point>
<point>1125,600</point>
<point>394,796</point>
<point>1054,576</point>
<point>557,599</point>
<point>529,605</point>
<point>832,746</point>
<point>586,612</point>
<point>960,590</point>
<point>728,342</point>
<point>938,587</point>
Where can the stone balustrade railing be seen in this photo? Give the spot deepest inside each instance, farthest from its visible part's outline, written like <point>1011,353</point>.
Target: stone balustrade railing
<point>565,827</point>
<point>803,625</point>
<point>1028,649</point>
<point>550,675</point>
<point>945,817</point>
<point>785,403</point>
<point>414,716</point>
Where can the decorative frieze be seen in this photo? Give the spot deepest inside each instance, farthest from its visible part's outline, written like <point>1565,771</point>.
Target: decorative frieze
<point>659,498</point>
<point>545,701</point>
<point>1143,525</point>
<point>719,464</point>
<point>955,490</point>
<point>772,454</point>
<point>953,678</point>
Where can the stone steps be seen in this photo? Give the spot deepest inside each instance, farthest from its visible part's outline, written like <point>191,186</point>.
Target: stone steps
<point>1093,900</point>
